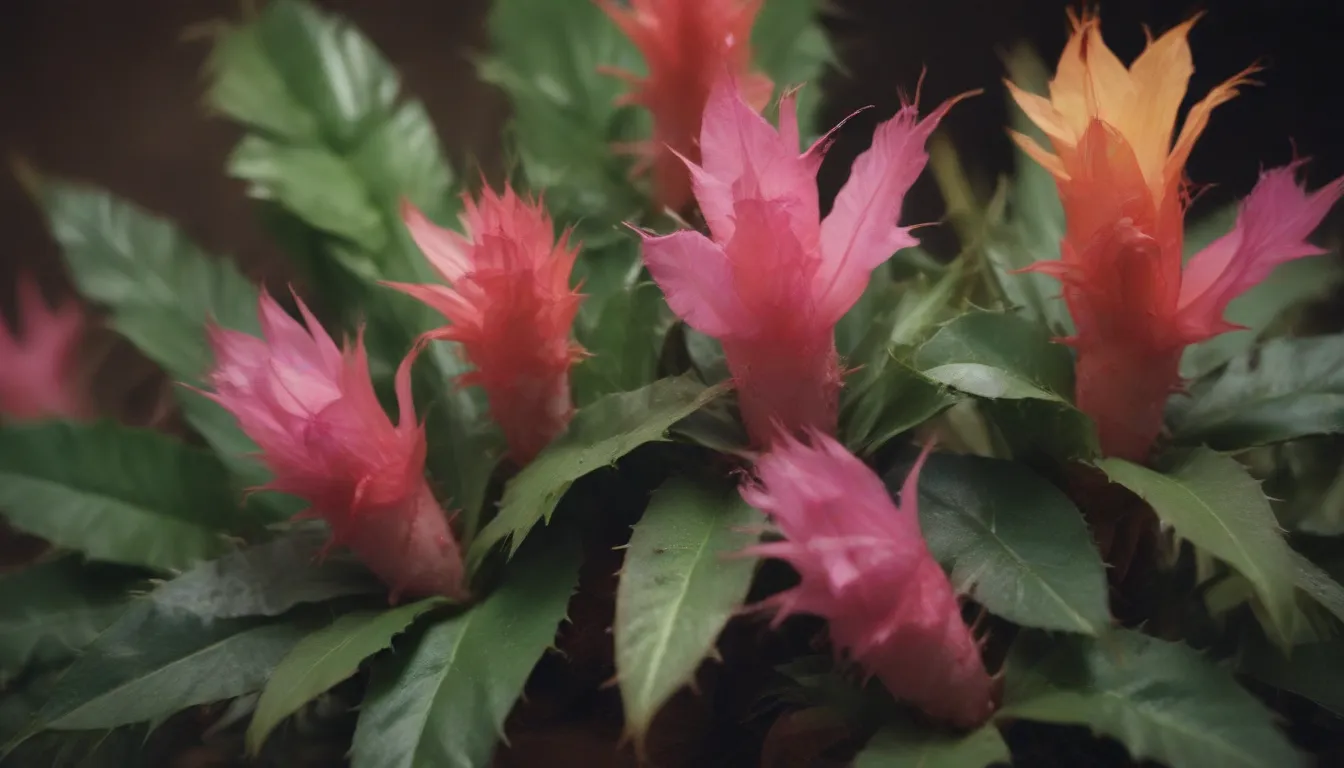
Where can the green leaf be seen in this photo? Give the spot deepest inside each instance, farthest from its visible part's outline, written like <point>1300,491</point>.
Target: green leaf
<point>161,291</point>
<point>324,658</point>
<point>790,46</point>
<point>1163,701</point>
<point>678,588</point>
<point>50,611</point>
<point>1211,500</point>
<point>906,745</point>
<point>885,398</point>
<point>598,435</point>
<point>443,700</point>
<point>115,493</point>
<point>624,343</point>
<point>995,355</point>
<point>1013,542</point>
<point>1285,389</point>
<point>1313,670</point>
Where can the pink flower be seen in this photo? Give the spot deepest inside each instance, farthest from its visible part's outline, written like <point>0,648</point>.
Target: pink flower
<point>311,409</point>
<point>510,306</point>
<point>686,45</point>
<point>775,278</point>
<point>39,359</point>
<point>865,568</point>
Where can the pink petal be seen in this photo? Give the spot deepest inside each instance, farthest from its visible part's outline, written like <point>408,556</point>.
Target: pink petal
<point>1272,227</point>
<point>447,251</point>
<point>698,281</point>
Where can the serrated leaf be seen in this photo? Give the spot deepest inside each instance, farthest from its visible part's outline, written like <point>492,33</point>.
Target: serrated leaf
<point>1163,701</point>
<point>115,493</point>
<point>52,610</point>
<point>1013,542</point>
<point>325,658</point>
<point>1285,389</point>
<point>995,355</point>
<point>1210,500</point>
<point>597,436</point>
<point>678,589</point>
<point>906,745</point>
<point>443,700</point>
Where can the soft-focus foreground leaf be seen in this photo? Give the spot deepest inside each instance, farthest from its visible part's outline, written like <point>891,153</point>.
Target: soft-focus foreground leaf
<point>599,434</point>
<point>678,588</point>
<point>1013,541</point>
<point>996,355</point>
<point>443,700</point>
<point>1313,670</point>
<point>1285,389</point>
<point>325,658</point>
<point>50,611</point>
<point>790,46</point>
<point>115,493</point>
<point>161,290</point>
<point>1210,500</point>
<point>1163,701</point>
<point>907,745</point>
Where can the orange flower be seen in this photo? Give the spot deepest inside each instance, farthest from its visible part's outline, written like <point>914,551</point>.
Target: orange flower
<point>687,45</point>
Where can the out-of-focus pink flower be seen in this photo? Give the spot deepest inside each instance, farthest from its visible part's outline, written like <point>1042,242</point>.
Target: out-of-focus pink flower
<point>686,44</point>
<point>865,568</point>
<point>311,408</point>
<point>39,361</point>
<point>775,278</point>
<point>509,304</point>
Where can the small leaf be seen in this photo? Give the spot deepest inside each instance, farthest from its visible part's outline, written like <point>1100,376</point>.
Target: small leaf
<point>679,586</point>
<point>996,355</point>
<point>1014,542</point>
<point>1163,701</point>
<point>115,493</point>
<point>50,611</point>
<point>599,434</point>
<point>906,745</point>
<point>325,658</point>
<point>1213,502</point>
<point>1285,389</point>
<point>443,700</point>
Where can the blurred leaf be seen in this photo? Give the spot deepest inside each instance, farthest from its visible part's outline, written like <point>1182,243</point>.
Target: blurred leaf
<point>857,325</point>
<point>115,493</point>
<point>599,434</point>
<point>443,700</point>
<point>997,355</point>
<point>1211,500</point>
<point>324,658</point>
<point>706,355</point>
<point>50,611</point>
<point>907,745</point>
<point>885,398</point>
<point>1282,390</point>
<point>790,46</point>
<point>624,343</point>
<point>1163,701</point>
<point>1014,543</point>
<point>679,586</point>
<point>1313,670</point>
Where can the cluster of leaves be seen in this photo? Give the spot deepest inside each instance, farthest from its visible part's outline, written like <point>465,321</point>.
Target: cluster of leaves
<point>168,589</point>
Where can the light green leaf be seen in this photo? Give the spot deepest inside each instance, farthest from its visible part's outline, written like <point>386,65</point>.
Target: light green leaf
<point>907,745</point>
<point>1014,542</point>
<point>996,355</point>
<point>790,46</point>
<point>50,611</point>
<point>1285,389</point>
<point>115,493</point>
<point>245,86</point>
<point>443,700</point>
<point>1210,500</point>
<point>598,435</point>
<point>679,586</point>
<point>325,658</point>
<point>1163,701</point>
<point>624,342</point>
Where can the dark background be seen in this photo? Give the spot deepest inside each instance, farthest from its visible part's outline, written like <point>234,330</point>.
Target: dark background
<point>110,92</point>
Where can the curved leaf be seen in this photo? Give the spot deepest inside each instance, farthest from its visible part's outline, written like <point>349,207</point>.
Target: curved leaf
<point>443,700</point>
<point>1014,542</point>
<point>598,435</point>
<point>997,355</point>
<point>678,588</point>
<point>1285,389</point>
<point>1213,502</point>
<point>325,658</point>
<point>115,493</point>
<point>905,745</point>
<point>1163,701</point>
